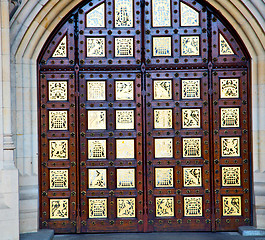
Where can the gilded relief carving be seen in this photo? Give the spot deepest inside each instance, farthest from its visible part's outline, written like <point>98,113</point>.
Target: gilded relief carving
<point>124,90</point>
<point>57,90</point>
<point>225,48</point>
<point>162,89</point>
<point>96,17</point>
<point>97,208</point>
<point>192,177</point>
<point>123,13</point>
<point>58,179</point>
<point>58,149</point>
<point>162,118</point>
<point>192,206</point>
<point>165,207</point>
<point>161,46</point>
<point>229,88</point>
<point>164,148</point>
<point>189,16</point>
<point>125,207</point>
<point>190,89</point>
<point>124,119</point>
<point>125,148</point>
<point>95,47</point>
<point>191,147</point>
<point>97,178</point>
<point>164,177</point>
<point>229,117</point>
<point>126,178</point>
<point>232,206</point>
<point>96,119</point>
<point>231,176</point>
<point>230,146</point>
<point>58,120</point>
<point>61,50</point>
<point>124,47</point>
<point>161,13</point>
<point>96,149</point>
<point>96,90</point>
<point>191,118</point>
<point>190,45</point>
<point>58,208</point>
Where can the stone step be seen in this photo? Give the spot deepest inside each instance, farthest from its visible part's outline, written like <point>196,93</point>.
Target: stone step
<point>249,231</point>
<point>44,234</point>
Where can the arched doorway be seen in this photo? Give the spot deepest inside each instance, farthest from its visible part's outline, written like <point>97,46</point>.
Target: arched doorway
<point>144,120</point>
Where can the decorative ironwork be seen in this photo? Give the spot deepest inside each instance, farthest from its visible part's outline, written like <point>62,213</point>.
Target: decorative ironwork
<point>96,119</point>
<point>229,117</point>
<point>96,90</point>
<point>192,206</point>
<point>164,177</point>
<point>165,207</point>
<point>58,120</point>
<point>230,146</point>
<point>95,47</point>
<point>125,148</point>
<point>225,48</point>
<point>124,47</point>
<point>190,89</point>
<point>58,208</point>
<point>162,89</point>
<point>61,49</point>
<point>97,178</point>
<point>161,13</point>
<point>192,177</point>
<point>163,148</point>
<point>96,17</point>
<point>124,119</point>
<point>58,179</point>
<point>232,206</point>
<point>161,46</point>
<point>189,16</point>
<point>58,149</point>
<point>163,118</point>
<point>191,118</point>
<point>125,207</point>
<point>190,45</point>
<point>191,147</point>
<point>123,13</point>
<point>57,90</point>
<point>229,88</point>
<point>126,178</point>
<point>124,90</point>
<point>231,176</point>
<point>96,149</point>
<point>97,208</point>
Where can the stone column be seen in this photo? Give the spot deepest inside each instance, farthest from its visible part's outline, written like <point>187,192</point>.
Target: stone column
<point>9,225</point>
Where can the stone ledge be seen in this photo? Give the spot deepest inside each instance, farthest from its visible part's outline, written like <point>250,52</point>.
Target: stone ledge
<point>44,234</point>
<point>249,231</point>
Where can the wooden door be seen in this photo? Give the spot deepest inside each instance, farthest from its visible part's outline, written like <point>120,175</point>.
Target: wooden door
<point>144,120</point>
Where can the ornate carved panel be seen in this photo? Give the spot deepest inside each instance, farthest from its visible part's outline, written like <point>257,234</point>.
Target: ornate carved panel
<point>96,119</point>
<point>161,13</point>
<point>124,90</point>
<point>164,177</point>
<point>97,178</point>
<point>192,206</point>
<point>58,120</point>
<point>58,149</point>
<point>229,117</point>
<point>229,88</point>
<point>189,16</point>
<point>230,146</point>
<point>96,17</point>
<point>95,47</point>
<point>97,149</point>
<point>190,89</point>
<point>61,49</point>
<point>164,148</point>
<point>162,89</point>
<point>124,13</point>
<point>124,119</point>
<point>126,178</point>
<point>190,45</point>
<point>191,147</point>
<point>163,118</point>
<point>124,47</point>
<point>192,177</point>
<point>125,148</point>
<point>98,208</point>
<point>58,91</point>
<point>165,207</point>
<point>96,90</point>
<point>58,179</point>
<point>225,48</point>
<point>191,118</point>
<point>59,208</point>
<point>161,46</point>
<point>125,207</point>
<point>231,176</point>
<point>231,205</point>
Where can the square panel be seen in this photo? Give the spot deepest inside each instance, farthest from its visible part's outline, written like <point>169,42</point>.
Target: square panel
<point>124,119</point>
<point>231,176</point>
<point>124,47</point>
<point>162,89</point>
<point>58,149</point>
<point>125,148</point>
<point>191,118</point>
<point>97,149</point>
<point>57,90</point>
<point>96,119</point>
<point>231,205</point>
<point>164,177</point>
<point>164,148</point>
<point>161,46</point>
<point>164,206</point>
<point>96,17</point>
<point>124,90</point>
<point>192,206</point>
<point>97,178</point>
<point>191,147</point>
<point>126,178</point>
<point>163,118</point>
<point>58,120</point>
<point>192,177</point>
<point>59,208</point>
<point>161,13</point>
<point>59,179</point>
<point>123,13</point>
<point>191,89</point>
<point>125,207</point>
<point>230,146</point>
<point>95,47</point>
<point>188,16</point>
<point>229,117</point>
<point>97,207</point>
<point>190,45</point>
<point>229,88</point>
<point>96,90</point>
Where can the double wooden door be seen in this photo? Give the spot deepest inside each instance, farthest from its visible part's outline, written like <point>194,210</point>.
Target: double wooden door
<point>144,120</point>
